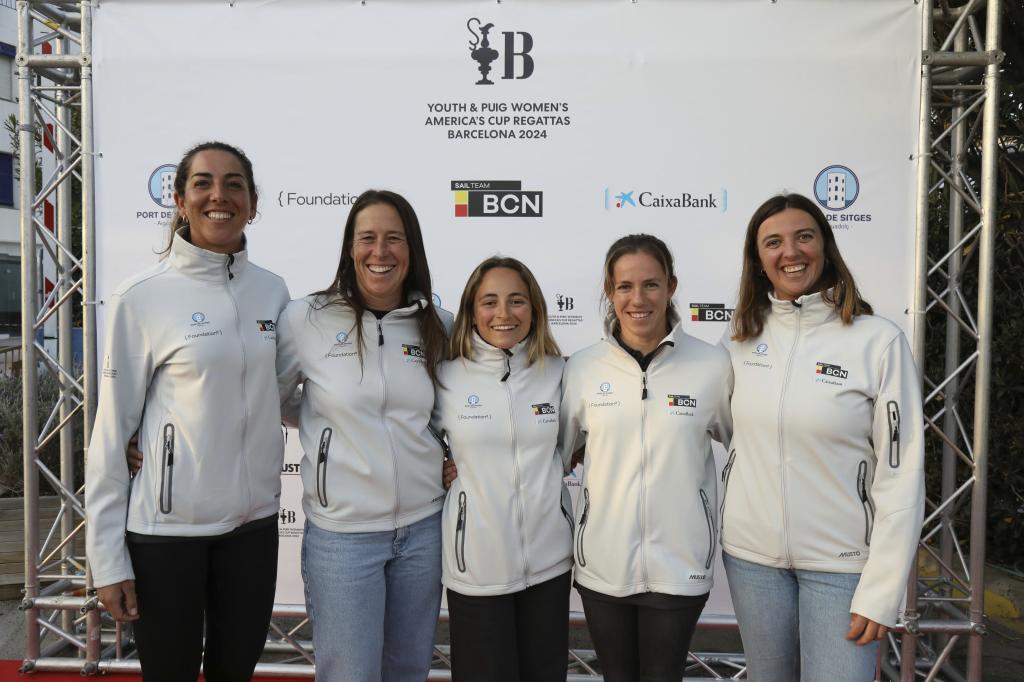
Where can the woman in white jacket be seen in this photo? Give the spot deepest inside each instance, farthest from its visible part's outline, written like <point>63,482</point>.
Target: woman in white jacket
<point>824,489</point>
<point>507,550</point>
<point>189,365</point>
<point>646,402</point>
<point>367,350</point>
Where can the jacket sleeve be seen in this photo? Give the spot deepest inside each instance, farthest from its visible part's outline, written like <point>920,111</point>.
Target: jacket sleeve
<point>571,435</point>
<point>288,374</point>
<point>721,422</point>
<point>125,376</point>
<point>897,489</point>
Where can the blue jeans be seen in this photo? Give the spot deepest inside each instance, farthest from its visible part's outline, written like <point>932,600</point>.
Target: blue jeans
<point>794,624</point>
<point>373,600</point>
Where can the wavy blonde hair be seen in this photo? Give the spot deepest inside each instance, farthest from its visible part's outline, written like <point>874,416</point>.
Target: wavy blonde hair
<point>540,342</point>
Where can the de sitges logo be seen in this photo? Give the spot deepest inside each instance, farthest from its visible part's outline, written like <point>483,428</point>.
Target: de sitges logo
<point>161,185</point>
<point>515,44</point>
<point>836,188</point>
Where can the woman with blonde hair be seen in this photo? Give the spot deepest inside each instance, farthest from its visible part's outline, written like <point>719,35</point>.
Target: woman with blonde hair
<point>507,529</point>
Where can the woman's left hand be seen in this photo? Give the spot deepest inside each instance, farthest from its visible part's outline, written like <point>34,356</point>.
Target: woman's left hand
<point>864,630</point>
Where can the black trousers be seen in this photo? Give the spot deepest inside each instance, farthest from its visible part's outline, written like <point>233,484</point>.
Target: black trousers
<point>225,583</point>
<point>642,643</point>
<point>518,637</point>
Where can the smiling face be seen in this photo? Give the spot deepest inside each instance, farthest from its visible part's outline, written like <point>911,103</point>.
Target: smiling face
<point>218,201</point>
<point>502,312</point>
<point>792,253</point>
<point>640,294</point>
<point>380,253</point>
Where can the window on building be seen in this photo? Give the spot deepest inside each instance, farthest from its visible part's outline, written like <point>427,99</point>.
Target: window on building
<point>7,53</point>
<point>6,180</point>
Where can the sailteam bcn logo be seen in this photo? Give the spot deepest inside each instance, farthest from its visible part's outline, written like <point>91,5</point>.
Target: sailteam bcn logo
<point>496,199</point>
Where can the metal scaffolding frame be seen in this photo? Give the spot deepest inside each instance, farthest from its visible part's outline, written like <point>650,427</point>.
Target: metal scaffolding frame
<point>65,627</point>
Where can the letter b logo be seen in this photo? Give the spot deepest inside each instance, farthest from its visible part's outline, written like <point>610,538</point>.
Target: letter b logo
<point>511,53</point>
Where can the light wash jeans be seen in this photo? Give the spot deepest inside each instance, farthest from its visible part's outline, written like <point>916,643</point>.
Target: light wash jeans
<point>794,624</point>
<point>373,599</point>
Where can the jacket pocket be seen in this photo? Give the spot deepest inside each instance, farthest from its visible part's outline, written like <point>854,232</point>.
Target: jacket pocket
<point>580,558</point>
<point>726,473</point>
<point>712,532</point>
<point>321,466</point>
<point>460,534</point>
<point>167,470</point>
<point>893,410</point>
<point>865,501</point>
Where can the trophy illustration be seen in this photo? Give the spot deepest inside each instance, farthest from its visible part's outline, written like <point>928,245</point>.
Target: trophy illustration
<point>480,49</point>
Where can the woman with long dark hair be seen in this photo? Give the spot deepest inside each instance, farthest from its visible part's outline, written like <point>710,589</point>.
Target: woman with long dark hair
<point>824,488</point>
<point>366,350</point>
<point>187,549</point>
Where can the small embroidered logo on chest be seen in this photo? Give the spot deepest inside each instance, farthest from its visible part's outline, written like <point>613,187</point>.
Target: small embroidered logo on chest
<point>828,373</point>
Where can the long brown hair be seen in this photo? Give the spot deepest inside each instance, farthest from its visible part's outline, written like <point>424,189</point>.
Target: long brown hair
<point>181,180</point>
<point>540,342</point>
<point>637,243</point>
<point>344,291</point>
<point>753,304</point>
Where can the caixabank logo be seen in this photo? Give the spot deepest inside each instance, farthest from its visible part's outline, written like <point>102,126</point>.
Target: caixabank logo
<point>615,198</point>
<point>496,199</point>
<point>710,312</point>
<point>516,63</point>
<point>837,188</point>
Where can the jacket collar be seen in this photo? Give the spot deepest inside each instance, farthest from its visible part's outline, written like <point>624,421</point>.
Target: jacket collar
<point>192,261</point>
<point>809,309</point>
<point>669,340</point>
<point>499,361</point>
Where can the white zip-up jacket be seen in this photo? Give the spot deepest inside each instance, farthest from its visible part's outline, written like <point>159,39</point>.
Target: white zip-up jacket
<point>370,462</point>
<point>825,469</point>
<point>189,363</point>
<point>647,518</point>
<point>508,516</point>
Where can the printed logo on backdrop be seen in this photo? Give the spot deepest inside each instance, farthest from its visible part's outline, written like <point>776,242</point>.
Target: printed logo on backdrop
<point>497,58</point>
<point>616,199</point>
<point>287,198</point>
<point>496,199</point>
<point>516,45</point>
<point>710,312</point>
<point>837,188</point>
<point>561,313</point>
<point>288,525</point>
<point>160,188</point>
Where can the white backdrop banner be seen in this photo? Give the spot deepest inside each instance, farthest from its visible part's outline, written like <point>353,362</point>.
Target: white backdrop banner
<point>537,129</point>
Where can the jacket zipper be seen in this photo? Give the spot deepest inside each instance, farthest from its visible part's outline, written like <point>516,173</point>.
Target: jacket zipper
<point>245,402</point>
<point>726,474</point>
<point>712,531</point>
<point>460,534</point>
<point>893,409</point>
<point>643,483</point>
<point>865,501</point>
<point>167,471</point>
<point>383,415</point>
<point>782,462</point>
<point>515,467</point>
<point>580,558</point>
<point>321,466</point>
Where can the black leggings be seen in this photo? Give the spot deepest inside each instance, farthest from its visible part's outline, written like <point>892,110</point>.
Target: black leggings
<point>511,637</point>
<point>642,643</point>
<point>226,582</point>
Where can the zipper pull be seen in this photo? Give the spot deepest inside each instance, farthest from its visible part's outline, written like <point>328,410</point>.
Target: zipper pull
<point>231,261</point>
<point>508,364</point>
<point>169,447</point>
<point>643,393</point>
<point>380,334</point>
